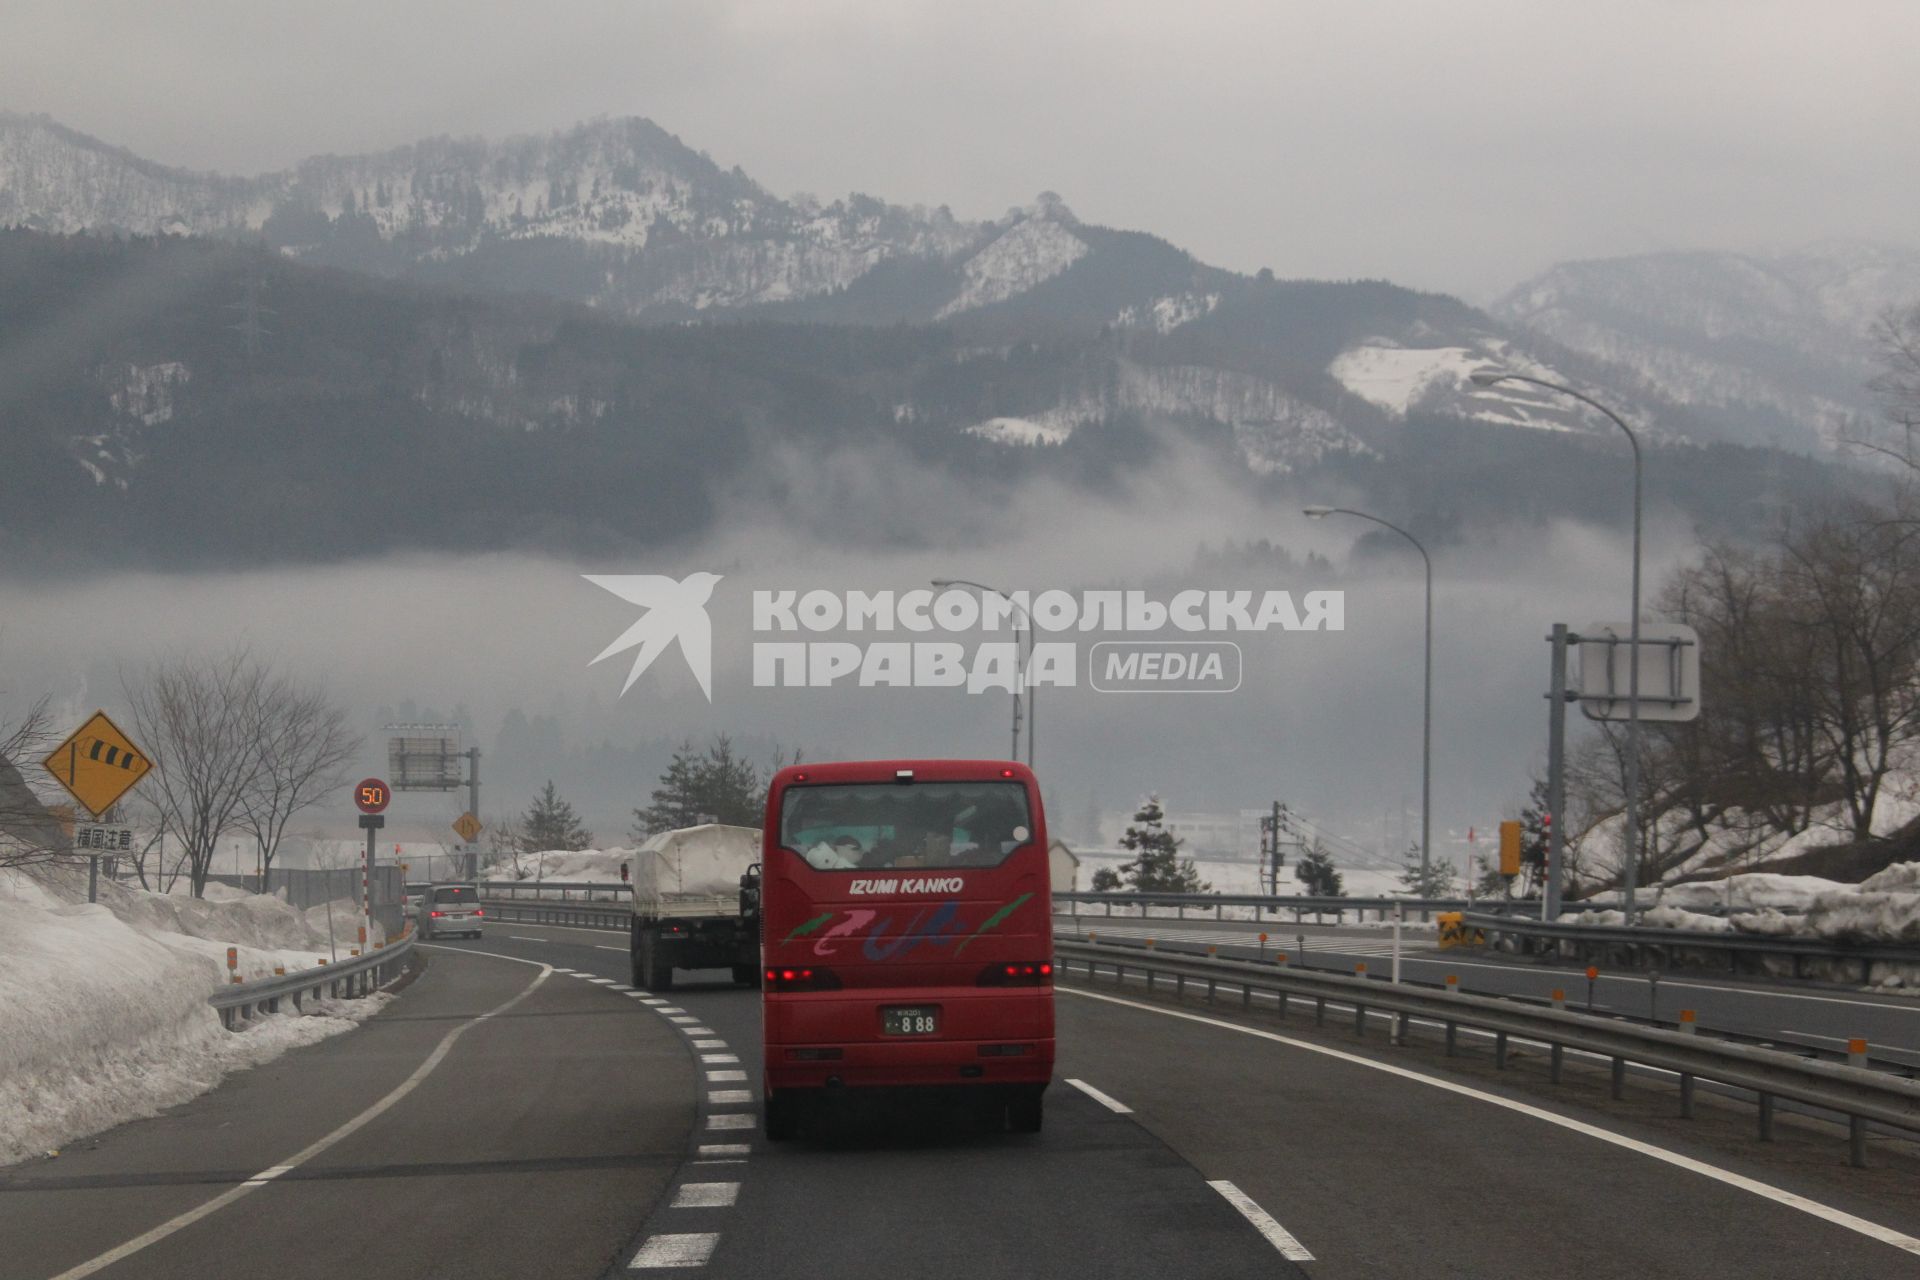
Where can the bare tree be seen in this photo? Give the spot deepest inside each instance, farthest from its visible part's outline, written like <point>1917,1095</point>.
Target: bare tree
<point>29,834</point>
<point>198,718</point>
<point>303,743</point>
<point>1897,334</point>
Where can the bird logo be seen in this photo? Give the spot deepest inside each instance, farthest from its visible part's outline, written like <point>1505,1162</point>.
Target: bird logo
<point>674,611</point>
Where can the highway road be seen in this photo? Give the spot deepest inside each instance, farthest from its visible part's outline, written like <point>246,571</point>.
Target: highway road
<point>584,1127</point>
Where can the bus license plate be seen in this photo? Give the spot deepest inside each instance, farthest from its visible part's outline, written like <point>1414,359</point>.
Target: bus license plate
<point>913,1020</point>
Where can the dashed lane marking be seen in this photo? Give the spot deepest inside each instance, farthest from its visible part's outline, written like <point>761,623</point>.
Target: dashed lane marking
<point>714,1149</point>
<point>731,1120</point>
<point>722,1097</point>
<point>1766,1191</point>
<point>698,1031</point>
<point>723,1077</point>
<point>1263,1222</point>
<point>676,1249</point>
<point>718,1057</point>
<point>1112,1104</point>
<point>706,1195</point>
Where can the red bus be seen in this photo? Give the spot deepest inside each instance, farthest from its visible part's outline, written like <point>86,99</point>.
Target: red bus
<point>906,936</point>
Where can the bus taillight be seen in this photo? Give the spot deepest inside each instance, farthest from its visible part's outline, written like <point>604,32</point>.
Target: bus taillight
<point>795,978</point>
<point>1019,973</point>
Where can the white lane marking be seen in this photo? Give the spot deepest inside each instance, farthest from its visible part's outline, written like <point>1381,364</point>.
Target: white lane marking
<point>1766,1191</point>
<point>514,937</point>
<point>723,1077</point>
<point>635,995</point>
<point>676,1249</point>
<point>601,946</point>
<point>696,1031</point>
<point>720,1097</point>
<point>724,1149</point>
<point>669,1008</point>
<point>621,986</point>
<point>710,1044</point>
<point>345,1131</point>
<point>681,1017</point>
<point>557,968</point>
<point>705,1195</point>
<point>601,982</point>
<point>1263,1222</point>
<point>719,1057</point>
<point>1112,1104</point>
<point>652,1000</point>
<point>731,1120</point>
<point>717,1162</point>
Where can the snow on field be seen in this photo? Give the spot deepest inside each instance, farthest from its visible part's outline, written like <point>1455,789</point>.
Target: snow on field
<point>103,1007</point>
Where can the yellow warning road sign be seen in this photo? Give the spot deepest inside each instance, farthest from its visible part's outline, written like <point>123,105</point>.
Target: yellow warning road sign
<point>98,764</point>
<point>466,826</point>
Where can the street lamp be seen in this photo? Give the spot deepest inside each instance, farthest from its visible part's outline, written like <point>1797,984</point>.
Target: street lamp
<point>941,584</point>
<point>1486,378</point>
<point>1426,710</point>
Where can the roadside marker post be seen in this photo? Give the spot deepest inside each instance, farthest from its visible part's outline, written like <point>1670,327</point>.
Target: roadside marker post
<point>1593,975</point>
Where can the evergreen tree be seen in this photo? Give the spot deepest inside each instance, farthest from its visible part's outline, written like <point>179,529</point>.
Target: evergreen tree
<point>711,786</point>
<point>1435,881</point>
<point>1534,829</point>
<point>1156,865</point>
<point>550,823</point>
<point>1107,880</point>
<point>1487,880</point>
<point>1315,871</point>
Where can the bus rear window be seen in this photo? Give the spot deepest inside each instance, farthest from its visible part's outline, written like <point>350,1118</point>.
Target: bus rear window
<point>861,826</point>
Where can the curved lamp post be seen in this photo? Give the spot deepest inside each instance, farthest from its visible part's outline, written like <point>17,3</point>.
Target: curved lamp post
<point>941,584</point>
<point>1487,378</point>
<point>1426,710</point>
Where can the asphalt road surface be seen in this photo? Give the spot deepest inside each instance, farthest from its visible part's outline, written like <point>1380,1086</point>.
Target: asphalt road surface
<point>587,1130</point>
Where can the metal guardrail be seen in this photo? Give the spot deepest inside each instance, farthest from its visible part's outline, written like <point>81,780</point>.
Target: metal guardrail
<point>576,915</point>
<point>357,976</point>
<point>1859,1094</point>
<point>563,890</point>
<point>1538,936</point>
<point>1383,907</point>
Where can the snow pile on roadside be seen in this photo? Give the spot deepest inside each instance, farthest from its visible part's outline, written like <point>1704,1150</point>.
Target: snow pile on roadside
<point>1752,891</point>
<point>1659,918</point>
<point>1883,908</point>
<point>103,1007</point>
<point>601,865</point>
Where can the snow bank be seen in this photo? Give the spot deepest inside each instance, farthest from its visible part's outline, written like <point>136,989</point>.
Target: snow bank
<point>1754,890</point>
<point>565,864</point>
<point>103,1007</point>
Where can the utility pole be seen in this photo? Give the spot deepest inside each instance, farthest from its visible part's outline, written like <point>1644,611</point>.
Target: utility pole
<point>1556,769</point>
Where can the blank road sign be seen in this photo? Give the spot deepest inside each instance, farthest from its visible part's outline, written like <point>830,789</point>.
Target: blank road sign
<point>98,764</point>
<point>1669,671</point>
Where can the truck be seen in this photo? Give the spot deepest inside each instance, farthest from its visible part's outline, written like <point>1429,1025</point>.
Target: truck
<point>696,904</point>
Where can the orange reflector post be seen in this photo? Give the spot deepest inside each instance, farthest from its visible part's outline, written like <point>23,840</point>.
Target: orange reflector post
<point>1360,967</point>
<point>1592,973</point>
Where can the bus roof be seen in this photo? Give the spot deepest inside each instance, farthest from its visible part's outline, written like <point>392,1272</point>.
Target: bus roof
<point>890,771</point>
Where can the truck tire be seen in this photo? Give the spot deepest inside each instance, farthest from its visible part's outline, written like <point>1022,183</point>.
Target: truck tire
<point>746,975</point>
<point>655,973</point>
<point>777,1116</point>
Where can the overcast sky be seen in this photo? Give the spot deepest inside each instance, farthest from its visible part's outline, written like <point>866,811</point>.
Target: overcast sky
<point>1458,146</point>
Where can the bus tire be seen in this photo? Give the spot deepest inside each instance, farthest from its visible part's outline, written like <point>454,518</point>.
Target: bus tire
<point>746,975</point>
<point>1025,1111</point>
<point>777,1116</point>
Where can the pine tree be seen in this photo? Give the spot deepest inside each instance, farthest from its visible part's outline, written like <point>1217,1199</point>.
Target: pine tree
<point>550,823</point>
<point>1156,866</point>
<point>1436,880</point>
<point>1534,828</point>
<point>1315,871</point>
<point>713,786</point>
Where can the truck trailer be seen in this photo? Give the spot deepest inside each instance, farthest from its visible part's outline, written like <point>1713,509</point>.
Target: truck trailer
<point>696,904</point>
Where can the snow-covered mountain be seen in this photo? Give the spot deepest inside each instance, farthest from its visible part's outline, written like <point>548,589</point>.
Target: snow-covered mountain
<point>615,213</point>
<point>1769,347</point>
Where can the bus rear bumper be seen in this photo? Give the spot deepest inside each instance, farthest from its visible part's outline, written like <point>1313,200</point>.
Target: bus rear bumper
<point>960,1063</point>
